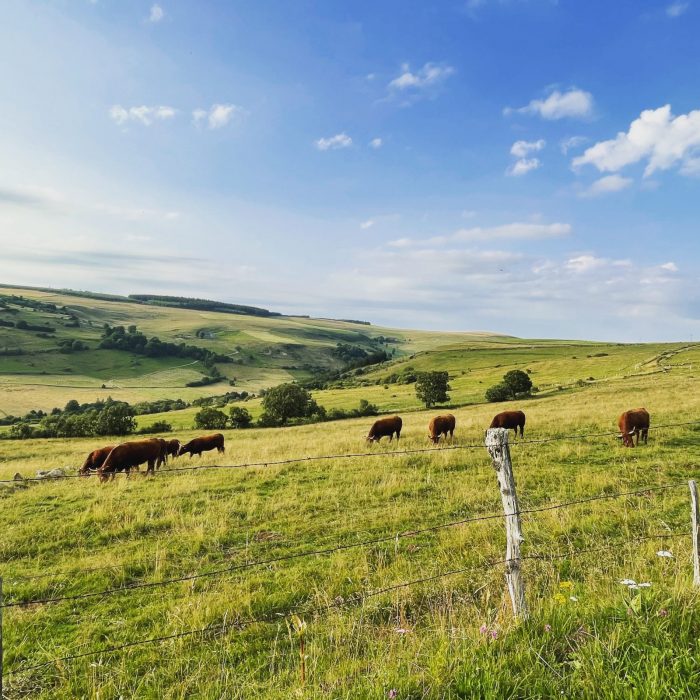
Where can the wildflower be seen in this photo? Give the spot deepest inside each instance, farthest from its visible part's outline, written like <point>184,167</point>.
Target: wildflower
<point>573,598</point>
<point>483,629</point>
<point>393,693</point>
<point>566,585</point>
<point>644,585</point>
<point>663,613</point>
<point>494,634</point>
<point>664,553</point>
<point>402,631</point>
<point>548,628</point>
<point>628,582</point>
<point>559,598</point>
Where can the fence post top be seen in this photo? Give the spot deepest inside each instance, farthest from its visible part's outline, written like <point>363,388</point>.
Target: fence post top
<point>496,437</point>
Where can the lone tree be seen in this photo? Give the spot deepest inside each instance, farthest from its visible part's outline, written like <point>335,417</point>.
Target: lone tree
<point>287,401</point>
<point>240,417</point>
<point>115,419</point>
<point>515,383</point>
<point>210,419</point>
<point>518,382</point>
<point>432,387</point>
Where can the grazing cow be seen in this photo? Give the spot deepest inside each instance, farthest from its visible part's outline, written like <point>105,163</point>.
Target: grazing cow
<point>129,455</point>
<point>202,444</point>
<point>163,451</point>
<point>95,460</point>
<point>173,448</point>
<point>511,420</point>
<point>385,427</point>
<point>441,425</point>
<point>635,421</point>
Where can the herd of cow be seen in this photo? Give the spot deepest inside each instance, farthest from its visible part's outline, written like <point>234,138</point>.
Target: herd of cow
<point>107,461</point>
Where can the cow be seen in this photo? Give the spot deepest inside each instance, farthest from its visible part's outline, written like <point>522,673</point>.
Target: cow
<point>173,448</point>
<point>129,455</point>
<point>441,425</point>
<point>385,427</point>
<point>634,421</point>
<point>163,451</point>
<point>202,444</point>
<point>95,460</point>
<point>510,420</point>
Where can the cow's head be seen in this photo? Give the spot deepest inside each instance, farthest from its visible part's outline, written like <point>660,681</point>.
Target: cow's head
<point>181,449</point>
<point>627,438</point>
<point>435,439</point>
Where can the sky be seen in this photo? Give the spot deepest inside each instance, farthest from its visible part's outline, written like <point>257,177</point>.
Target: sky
<point>530,167</point>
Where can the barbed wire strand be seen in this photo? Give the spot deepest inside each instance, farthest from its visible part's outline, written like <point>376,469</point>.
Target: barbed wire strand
<point>327,550</point>
<point>356,455</point>
<point>357,597</point>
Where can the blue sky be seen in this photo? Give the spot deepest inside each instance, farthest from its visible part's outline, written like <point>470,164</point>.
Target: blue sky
<point>524,166</point>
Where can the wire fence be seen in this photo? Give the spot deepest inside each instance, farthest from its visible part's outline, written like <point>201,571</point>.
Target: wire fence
<point>360,455</point>
<point>359,596</point>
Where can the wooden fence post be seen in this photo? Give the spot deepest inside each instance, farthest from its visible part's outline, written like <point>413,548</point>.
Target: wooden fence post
<point>695,520</point>
<point>497,445</point>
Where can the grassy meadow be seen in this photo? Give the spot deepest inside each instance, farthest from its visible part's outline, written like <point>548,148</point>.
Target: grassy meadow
<point>451,637</point>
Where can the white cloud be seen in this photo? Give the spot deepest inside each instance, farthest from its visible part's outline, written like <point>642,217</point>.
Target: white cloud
<point>376,143</point>
<point>341,140</point>
<point>515,231</point>
<point>655,136</point>
<point>424,83</point>
<point>572,142</point>
<point>608,183</point>
<point>217,116</point>
<point>143,114</point>
<point>676,9</point>
<point>669,267</point>
<point>367,224</point>
<point>520,149</point>
<point>523,166</point>
<point>157,14</point>
<point>574,104</point>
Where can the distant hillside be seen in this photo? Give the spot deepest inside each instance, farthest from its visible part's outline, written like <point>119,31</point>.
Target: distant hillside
<point>201,305</point>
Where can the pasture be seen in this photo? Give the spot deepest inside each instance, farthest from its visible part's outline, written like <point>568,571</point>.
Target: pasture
<point>451,636</point>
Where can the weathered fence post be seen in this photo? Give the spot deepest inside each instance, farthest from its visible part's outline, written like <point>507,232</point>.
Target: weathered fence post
<point>497,445</point>
<point>695,518</point>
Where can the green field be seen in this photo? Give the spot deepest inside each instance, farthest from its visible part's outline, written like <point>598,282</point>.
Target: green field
<point>446,635</point>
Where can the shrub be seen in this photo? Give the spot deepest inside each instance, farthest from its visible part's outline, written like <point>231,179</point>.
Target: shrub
<point>240,418</point>
<point>159,426</point>
<point>498,392</point>
<point>210,418</point>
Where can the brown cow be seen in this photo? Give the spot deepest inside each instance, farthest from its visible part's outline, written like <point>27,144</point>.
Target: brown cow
<point>441,425</point>
<point>129,455</point>
<point>511,420</point>
<point>173,448</point>
<point>385,427</point>
<point>635,421</point>
<point>95,460</point>
<point>202,444</point>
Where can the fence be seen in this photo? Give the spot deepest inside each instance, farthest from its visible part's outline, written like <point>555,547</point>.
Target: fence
<point>498,447</point>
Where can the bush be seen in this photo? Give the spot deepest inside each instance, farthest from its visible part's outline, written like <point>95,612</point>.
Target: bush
<point>240,418</point>
<point>498,392</point>
<point>518,382</point>
<point>210,419</point>
<point>432,387</point>
<point>160,426</point>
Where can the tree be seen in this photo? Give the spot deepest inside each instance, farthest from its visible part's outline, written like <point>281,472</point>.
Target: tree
<point>240,417</point>
<point>498,392</point>
<point>432,387</point>
<point>518,382</point>
<point>210,419</point>
<point>115,419</point>
<point>287,401</point>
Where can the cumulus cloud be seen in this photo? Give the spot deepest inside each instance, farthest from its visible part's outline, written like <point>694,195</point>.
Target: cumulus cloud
<point>657,137</point>
<point>376,143</point>
<point>520,149</point>
<point>142,115</point>
<point>606,184</point>
<point>411,86</point>
<point>332,143</point>
<point>669,267</point>
<point>217,116</point>
<point>367,224</point>
<point>523,166</point>
<point>157,14</point>
<point>676,9</point>
<point>573,103</point>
